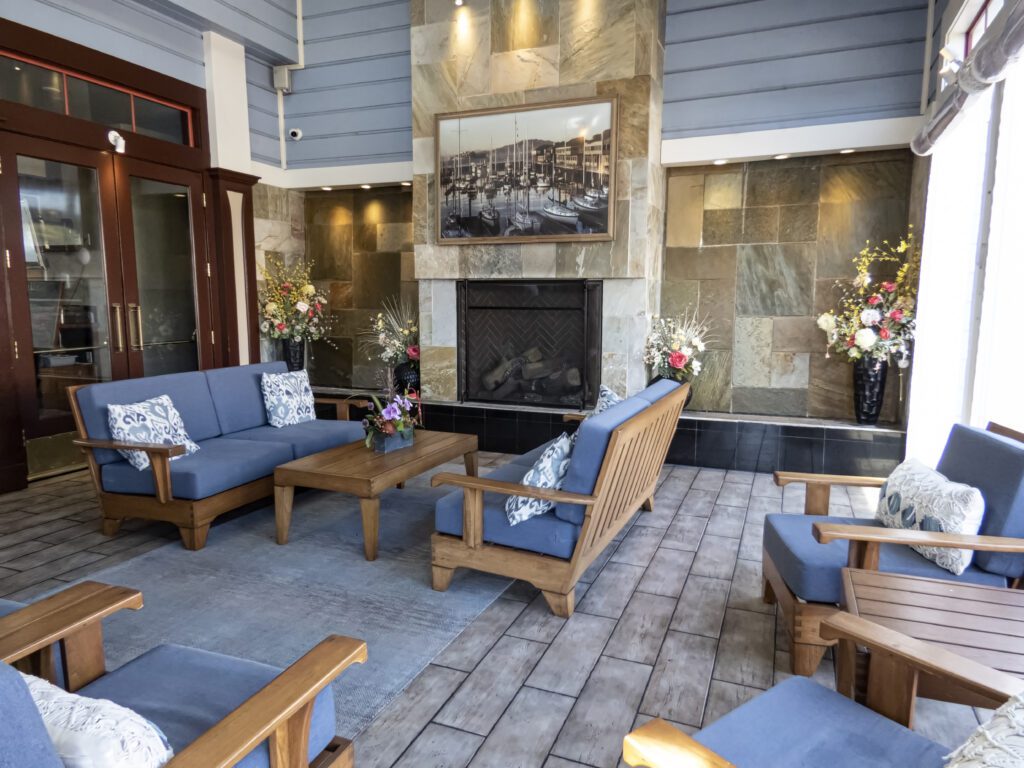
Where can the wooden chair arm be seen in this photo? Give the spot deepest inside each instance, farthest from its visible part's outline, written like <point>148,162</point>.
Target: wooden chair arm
<point>819,487</point>
<point>922,656</point>
<point>116,445</point>
<point>656,744</point>
<point>828,532</point>
<point>281,711</point>
<point>72,617</point>
<point>511,489</point>
<point>999,429</point>
<point>575,417</point>
<point>342,405</point>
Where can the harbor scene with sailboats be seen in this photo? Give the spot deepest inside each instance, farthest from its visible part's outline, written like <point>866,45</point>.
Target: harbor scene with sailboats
<point>529,173</point>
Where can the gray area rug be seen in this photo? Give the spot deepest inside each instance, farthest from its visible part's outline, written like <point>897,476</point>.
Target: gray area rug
<point>244,595</point>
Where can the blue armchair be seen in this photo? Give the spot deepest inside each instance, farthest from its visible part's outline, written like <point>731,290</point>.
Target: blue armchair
<point>215,710</point>
<point>799,723</point>
<point>804,555</point>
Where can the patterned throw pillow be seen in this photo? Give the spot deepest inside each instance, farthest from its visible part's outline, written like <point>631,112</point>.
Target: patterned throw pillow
<point>606,398</point>
<point>996,744</point>
<point>547,472</point>
<point>288,398</point>
<point>916,497</point>
<point>96,733</point>
<point>152,421</point>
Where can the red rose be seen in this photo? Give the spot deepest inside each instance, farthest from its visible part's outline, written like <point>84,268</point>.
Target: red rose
<point>319,306</point>
<point>285,287</point>
<point>884,333</point>
<point>850,342</point>
<point>311,313</point>
<point>677,359</point>
<point>889,287</point>
<point>896,314</point>
<point>413,352</point>
<point>876,299</point>
<point>280,326</point>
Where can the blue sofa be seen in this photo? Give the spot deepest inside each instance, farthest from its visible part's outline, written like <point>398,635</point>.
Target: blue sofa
<point>804,554</point>
<point>185,692</point>
<point>615,465</point>
<point>223,412</point>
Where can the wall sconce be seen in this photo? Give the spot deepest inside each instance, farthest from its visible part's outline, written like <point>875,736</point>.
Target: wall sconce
<point>116,141</point>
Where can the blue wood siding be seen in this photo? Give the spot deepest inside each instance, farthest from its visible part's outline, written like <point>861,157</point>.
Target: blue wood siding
<point>268,28</point>
<point>763,64</point>
<point>259,83</point>
<point>353,100</point>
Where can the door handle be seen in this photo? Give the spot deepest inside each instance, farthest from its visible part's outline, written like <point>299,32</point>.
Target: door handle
<point>135,330</point>
<point>118,327</point>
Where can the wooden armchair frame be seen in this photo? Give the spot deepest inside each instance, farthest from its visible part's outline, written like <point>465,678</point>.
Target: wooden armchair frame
<point>192,516</point>
<point>897,664</point>
<point>802,618</point>
<point>280,712</point>
<point>627,479</point>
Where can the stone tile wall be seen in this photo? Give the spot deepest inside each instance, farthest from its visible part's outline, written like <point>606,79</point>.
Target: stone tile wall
<point>279,229</point>
<point>496,53</point>
<point>758,248</point>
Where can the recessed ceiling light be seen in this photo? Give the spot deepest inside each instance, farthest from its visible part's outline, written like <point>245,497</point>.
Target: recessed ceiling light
<point>782,157</point>
<point>458,2</point>
<point>365,186</point>
<point>406,183</point>
<point>326,189</point>
<point>17,68</point>
<point>846,151</point>
<point>721,162</point>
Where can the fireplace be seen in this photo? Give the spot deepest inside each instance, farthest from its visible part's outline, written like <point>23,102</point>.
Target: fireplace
<point>535,342</point>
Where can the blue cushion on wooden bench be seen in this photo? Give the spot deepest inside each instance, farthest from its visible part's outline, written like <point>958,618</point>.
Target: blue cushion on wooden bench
<point>800,724</point>
<point>812,570</point>
<point>658,390</point>
<point>307,437</point>
<point>23,737</point>
<point>188,391</point>
<point>995,466</point>
<point>219,464</point>
<point>545,534</point>
<point>237,395</point>
<point>185,692</point>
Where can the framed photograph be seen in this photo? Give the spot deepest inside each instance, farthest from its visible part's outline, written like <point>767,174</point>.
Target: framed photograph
<point>537,173</point>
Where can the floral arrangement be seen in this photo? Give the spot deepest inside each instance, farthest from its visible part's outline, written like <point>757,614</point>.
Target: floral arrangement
<point>290,305</point>
<point>399,415</point>
<point>393,334</point>
<point>876,319</point>
<point>673,345</point>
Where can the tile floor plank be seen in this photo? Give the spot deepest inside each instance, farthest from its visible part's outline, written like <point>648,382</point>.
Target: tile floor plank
<point>701,608</point>
<point>745,651</point>
<point>716,557</point>
<point>639,545</point>
<point>611,590</point>
<point>440,747</point>
<point>568,661</point>
<point>524,734</point>
<point>641,630</point>
<point>679,684</point>
<point>465,651</point>
<point>667,572</point>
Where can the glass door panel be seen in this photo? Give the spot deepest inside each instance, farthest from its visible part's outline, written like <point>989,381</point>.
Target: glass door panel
<point>65,290</point>
<point>163,323</point>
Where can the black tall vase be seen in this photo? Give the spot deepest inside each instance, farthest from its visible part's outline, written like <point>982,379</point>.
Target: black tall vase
<point>294,353</point>
<point>869,388</point>
<point>689,395</point>
<point>407,377</point>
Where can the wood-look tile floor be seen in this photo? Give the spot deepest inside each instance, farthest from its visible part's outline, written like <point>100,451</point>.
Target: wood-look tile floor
<point>669,623</point>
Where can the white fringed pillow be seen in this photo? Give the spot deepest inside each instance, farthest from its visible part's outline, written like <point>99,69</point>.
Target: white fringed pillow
<point>96,733</point>
<point>999,743</point>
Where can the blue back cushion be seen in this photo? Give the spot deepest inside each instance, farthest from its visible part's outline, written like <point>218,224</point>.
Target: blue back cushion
<point>188,391</point>
<point>588,455</point>
<point>658,390</point>
<point>995,466</point>
<point>237,395</point>
<point>23,737</point>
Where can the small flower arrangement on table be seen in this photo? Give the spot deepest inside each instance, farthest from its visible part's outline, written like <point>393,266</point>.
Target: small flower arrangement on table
<point>673,345</point>
<point>390,423</point>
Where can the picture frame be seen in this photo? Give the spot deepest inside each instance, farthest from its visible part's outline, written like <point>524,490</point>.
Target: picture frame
<point>494,182</point>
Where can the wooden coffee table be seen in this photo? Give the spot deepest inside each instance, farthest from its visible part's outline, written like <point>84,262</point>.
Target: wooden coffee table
<point>985,624</point>
<point>357,470</point>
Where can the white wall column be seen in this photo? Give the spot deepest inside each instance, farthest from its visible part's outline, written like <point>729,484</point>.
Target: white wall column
<point>227,103</point>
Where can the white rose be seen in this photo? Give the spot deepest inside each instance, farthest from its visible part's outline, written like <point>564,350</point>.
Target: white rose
<point>698,342</point>
<point>865,338</point>
<point>301,306</point>
<point>827,322</point>
<point>870,317</point>
<point>695,365</point>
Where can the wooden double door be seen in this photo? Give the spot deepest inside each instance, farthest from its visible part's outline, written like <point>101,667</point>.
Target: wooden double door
<point>107,273</point>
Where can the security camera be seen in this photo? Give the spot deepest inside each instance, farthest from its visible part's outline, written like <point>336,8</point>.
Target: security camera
<point>295,134</point>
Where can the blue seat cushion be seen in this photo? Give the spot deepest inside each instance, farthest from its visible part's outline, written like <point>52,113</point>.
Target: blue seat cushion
<point>545,534</point>
<point>219,464</point>
<point>238,396</point>
<point>307,437</point>
<point>658,390</point>
<point>588,454</point>
<point>800,724</point>
<point>812,570</point>
<point>188,391</point>
<point>23,738</point>
<point>185,692</point>
<point>995,466</point>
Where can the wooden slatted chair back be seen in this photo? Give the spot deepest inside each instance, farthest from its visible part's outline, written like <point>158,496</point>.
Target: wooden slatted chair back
<point>629,474</point>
